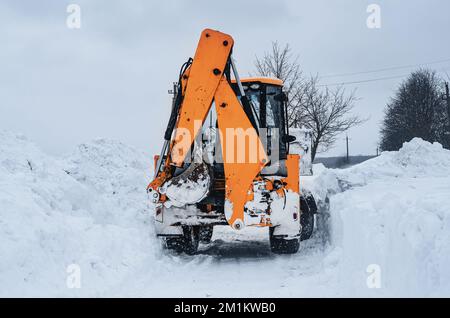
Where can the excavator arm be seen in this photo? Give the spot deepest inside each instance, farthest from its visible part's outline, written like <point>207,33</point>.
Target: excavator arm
<point>202,83</point>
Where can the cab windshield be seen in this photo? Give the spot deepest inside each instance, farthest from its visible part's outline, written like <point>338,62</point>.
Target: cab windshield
<point>268,109</point>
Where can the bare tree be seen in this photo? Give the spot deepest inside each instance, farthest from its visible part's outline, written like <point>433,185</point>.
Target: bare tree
<point>326,112</point>
<point>282,64</point>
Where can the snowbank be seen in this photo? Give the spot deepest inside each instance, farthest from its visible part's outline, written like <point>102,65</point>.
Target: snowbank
<point>394,213</point>
<point>118,174</point>
<point>417,158</point>
<point>390,213</point>
<point>81,211</point>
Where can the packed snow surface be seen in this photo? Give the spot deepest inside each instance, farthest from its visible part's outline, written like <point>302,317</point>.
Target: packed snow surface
<point>384,230</point>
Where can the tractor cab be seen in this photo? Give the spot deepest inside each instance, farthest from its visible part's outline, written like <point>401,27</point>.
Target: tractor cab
<point>268,103</point>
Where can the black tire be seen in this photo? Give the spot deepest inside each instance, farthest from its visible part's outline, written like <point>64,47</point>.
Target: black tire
<point>307,223</point>
<point>175,244</point>
<point>188,243</point>
<point>308,208</point>
<point>280,245</point>
<point>206,233</point>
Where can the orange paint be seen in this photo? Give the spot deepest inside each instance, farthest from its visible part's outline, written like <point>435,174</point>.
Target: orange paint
<point>239,176</point>
<point>203,78</point>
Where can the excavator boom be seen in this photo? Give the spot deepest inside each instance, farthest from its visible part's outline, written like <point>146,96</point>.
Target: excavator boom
<point>205,83</point>
<point>207,69</point>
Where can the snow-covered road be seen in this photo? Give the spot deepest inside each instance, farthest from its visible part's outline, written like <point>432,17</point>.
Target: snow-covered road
<point>389,215</point>
<point>235,265</point>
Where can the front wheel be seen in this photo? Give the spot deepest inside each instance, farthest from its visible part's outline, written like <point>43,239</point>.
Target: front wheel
<point>187,243</point>
<point>280,245</point>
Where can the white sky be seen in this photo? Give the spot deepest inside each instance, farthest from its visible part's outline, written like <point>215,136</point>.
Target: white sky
<point>110,78</point>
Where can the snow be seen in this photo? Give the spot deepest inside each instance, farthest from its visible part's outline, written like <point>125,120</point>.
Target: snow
<point>396,215</point>
<point>187,189</point>
<point>402,227</point>
<point>86,210</point>
<point>389,215</point>
<point>302,146</point>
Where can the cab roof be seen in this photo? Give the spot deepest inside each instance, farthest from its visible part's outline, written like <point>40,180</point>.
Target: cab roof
<point>264,80</point>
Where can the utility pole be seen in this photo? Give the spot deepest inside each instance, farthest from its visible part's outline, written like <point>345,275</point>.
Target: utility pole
<point>346,140</point>
<point>447,99</point>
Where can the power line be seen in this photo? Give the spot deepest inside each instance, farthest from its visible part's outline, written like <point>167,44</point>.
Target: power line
<point>370,80</point>
<point>385,69</point>
<point>363,81</point>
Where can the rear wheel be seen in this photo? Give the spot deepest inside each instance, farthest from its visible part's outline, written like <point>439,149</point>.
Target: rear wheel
<point>308,209</point>
<point>187,243</point>
<point>206,233</point>
<point>307,223</point>
<point>280,245</point>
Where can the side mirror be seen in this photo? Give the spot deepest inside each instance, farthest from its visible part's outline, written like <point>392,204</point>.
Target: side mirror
<point>282,97</point>
<point>288,139</point>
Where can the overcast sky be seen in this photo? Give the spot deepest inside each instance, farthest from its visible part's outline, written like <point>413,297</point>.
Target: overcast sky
<point>62,86</point>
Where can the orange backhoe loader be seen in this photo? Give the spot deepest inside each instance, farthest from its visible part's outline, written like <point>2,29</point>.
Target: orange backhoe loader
<point>226,158</point>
